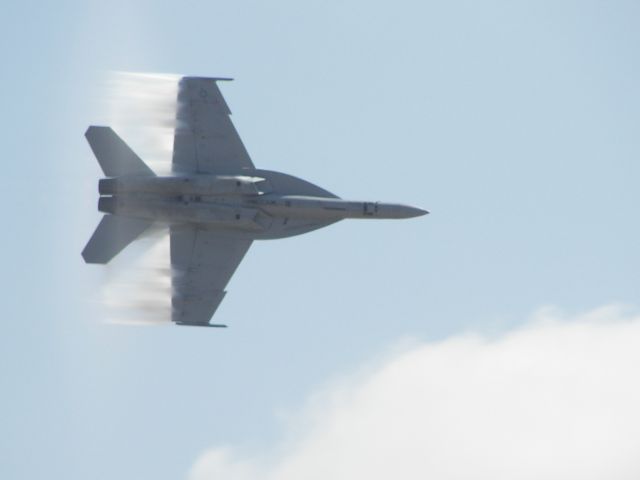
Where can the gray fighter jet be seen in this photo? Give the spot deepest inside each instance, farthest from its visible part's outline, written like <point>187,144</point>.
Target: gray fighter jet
<point>215,203</point>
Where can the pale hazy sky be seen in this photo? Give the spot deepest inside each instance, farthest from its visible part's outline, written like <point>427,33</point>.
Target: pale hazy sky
<point>515,123</point>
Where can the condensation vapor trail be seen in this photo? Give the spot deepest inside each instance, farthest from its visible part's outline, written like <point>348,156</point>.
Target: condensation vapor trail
<point>141,107</point>
<point>136,287</point>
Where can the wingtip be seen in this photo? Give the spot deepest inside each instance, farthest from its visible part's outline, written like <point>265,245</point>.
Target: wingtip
<point>211,325</point>
<point>215,79</point>
<point>93,128</point>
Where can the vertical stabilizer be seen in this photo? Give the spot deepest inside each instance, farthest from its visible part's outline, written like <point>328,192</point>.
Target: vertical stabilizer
<point>113,234</point>
<point>114,155</point>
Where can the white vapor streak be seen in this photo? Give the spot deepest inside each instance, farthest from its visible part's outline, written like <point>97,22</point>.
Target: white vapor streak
<point>137,284</point>
<point>142,108</point>
<point>557,399</point>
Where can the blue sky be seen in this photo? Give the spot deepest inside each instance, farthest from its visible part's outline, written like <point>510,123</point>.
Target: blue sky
<point>514,123</point>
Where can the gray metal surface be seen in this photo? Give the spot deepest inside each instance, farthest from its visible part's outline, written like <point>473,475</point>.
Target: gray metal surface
<point>114,156</point>
<point>202,263</point>
<point>215,203</point>
<point>111,236</point>
<point>205,140</point>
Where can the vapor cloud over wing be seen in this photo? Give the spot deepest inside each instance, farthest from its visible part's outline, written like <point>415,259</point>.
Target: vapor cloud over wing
<point>136,287</point>
<point>141,107</point>
<point>555,399</point>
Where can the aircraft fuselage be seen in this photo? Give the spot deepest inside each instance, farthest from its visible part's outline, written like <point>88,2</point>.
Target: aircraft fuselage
<point>257,204</point>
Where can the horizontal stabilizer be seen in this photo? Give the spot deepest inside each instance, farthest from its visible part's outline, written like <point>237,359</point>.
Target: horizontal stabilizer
<point>114,155</point>
<point>113,234</point>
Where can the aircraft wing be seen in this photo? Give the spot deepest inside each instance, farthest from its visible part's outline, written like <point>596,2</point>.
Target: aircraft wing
<point>202,263</point>
<point>205,140</point>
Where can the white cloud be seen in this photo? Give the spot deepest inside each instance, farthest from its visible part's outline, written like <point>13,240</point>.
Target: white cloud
<point>557,399</point>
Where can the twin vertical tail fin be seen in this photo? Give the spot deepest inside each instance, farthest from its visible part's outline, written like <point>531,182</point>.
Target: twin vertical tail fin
<point>116,159</point>
<point>114,156</point>
<point>113,234</point>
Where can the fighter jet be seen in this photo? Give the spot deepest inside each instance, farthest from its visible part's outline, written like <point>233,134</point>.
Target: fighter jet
<point>215,203</point>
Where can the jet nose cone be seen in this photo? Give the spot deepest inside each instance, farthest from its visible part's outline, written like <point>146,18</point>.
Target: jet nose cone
<point>394,210</point>
<point>410,212</point>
